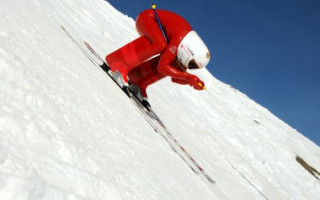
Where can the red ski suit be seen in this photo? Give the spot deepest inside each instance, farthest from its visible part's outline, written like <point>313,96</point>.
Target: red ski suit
<point>133,60</point>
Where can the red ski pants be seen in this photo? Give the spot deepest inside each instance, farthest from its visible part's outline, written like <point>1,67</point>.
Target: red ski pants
<point>134,54</point>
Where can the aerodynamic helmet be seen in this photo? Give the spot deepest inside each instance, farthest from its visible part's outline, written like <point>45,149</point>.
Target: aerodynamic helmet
<point>192,52</point>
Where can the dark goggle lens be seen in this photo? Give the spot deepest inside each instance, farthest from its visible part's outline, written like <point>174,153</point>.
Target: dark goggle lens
<point>193,65</point>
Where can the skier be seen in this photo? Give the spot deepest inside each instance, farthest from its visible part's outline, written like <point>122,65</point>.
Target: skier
<point>167,46</point>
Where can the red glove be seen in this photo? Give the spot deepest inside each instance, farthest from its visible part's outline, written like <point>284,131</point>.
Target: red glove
<point>195,82</point>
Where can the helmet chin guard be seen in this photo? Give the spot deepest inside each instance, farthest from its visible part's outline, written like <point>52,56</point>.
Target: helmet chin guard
<point>192,52</point>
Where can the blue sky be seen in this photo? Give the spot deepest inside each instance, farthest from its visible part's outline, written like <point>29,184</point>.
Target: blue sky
<point>267,49</point>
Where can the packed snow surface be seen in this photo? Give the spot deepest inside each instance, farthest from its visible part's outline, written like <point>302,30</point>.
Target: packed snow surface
<point>67,132</point>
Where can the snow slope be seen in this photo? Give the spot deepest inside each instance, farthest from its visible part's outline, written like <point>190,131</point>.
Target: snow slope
<point>67,132</point>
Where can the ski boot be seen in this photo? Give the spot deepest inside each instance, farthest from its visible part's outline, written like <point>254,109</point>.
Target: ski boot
<point>117,77</point>
<point>136,91</point>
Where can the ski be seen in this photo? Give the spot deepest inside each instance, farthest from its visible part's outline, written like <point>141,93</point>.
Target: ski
<point>175,145</point>
<point>147,113</point>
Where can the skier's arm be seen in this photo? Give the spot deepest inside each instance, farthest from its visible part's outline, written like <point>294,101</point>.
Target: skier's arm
<point>179,81</point>
<point>177,75</point>
<point>165,68</point>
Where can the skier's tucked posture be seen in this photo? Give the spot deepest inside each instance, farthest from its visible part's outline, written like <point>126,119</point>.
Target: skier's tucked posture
<point>154,56</point>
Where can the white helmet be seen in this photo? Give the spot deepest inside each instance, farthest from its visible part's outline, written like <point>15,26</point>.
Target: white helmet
<point>192,52</point>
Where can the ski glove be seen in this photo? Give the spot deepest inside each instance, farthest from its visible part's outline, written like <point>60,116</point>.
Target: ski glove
<point>195,82</point>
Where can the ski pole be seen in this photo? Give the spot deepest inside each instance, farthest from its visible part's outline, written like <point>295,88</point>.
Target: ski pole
<point>153,6</point>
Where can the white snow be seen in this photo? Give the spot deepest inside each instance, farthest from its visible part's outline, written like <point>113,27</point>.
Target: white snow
<point>67,132</point>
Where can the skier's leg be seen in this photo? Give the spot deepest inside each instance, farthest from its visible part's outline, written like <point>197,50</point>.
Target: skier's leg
<point>145,75</point>
<point>136,52</point>
<point>149,80</point>
<point>126,58</point>
<point>147,26</point>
